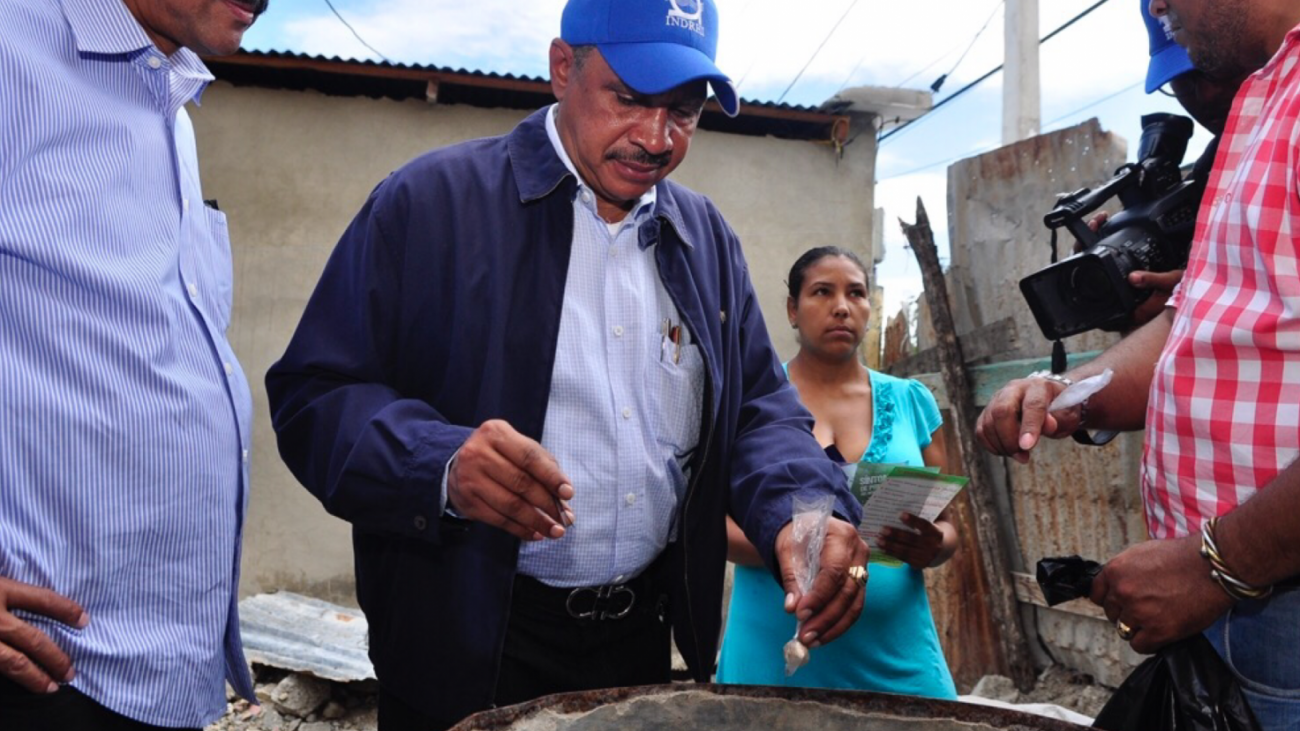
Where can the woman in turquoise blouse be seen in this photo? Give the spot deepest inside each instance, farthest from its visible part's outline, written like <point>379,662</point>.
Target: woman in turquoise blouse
<point>868,417</point>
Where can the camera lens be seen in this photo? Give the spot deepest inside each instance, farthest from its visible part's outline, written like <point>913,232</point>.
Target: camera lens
<point>1090,286</point>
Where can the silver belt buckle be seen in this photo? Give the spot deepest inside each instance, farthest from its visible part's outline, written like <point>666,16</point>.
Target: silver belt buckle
<point>601,597</point>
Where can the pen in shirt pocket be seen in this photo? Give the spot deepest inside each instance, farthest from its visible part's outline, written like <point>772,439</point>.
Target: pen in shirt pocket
<point>672,337</point>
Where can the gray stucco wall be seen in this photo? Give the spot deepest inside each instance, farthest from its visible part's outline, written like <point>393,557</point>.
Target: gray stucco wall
<point>292,168</point>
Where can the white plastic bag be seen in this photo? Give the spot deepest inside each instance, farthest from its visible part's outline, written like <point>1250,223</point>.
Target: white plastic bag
<point>808,531</point>
<point>1078,393</point>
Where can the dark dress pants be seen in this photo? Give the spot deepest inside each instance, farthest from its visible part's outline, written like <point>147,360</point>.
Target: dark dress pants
<point>549,651</point>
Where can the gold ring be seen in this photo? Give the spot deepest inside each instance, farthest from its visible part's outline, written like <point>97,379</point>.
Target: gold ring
<point>858,574</point>
<point>1125,632</point>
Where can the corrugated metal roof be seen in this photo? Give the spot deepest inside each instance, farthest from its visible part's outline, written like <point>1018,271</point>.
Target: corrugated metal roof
<point>474,73</point>
<point>293,632</point>
<point>336,76</point>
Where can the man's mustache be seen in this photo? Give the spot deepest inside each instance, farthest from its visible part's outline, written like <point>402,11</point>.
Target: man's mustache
<point>641,157</point>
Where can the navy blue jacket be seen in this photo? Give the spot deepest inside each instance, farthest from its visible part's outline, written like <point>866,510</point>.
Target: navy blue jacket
<point>439,310</point>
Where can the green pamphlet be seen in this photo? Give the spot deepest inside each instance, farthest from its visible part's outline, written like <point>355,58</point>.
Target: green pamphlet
<point>888,490</point>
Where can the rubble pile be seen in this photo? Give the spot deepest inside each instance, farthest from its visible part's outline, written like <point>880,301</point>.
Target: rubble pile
<point>1056,685</point>
<point>301,702</point>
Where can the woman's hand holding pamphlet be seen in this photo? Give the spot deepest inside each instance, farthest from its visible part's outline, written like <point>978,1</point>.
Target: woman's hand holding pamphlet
<point>887,491</point>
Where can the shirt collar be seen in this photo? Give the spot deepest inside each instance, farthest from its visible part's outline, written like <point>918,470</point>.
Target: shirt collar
<point>107,27</point>
<point>646,203</point>
<point>1289,42</point>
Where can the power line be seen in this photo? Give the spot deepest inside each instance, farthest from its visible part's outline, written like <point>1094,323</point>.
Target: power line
<point>849,78</point>
<point>945,161</point>
<point>1092,104</point>
<point>354,31</point>
<point>986,148</point>
<point>744,12</point>
<point>991,72</point>
<point>928,66</point>
<point>938,83</point>
<point>819,50</point>
<point>955,95</point>
<point>946,54</point>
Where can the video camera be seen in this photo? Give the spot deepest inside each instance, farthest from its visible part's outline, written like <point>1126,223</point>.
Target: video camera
<point>1153,233</point>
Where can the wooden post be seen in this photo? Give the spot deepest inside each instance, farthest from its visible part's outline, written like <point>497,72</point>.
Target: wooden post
<point>994,545</point>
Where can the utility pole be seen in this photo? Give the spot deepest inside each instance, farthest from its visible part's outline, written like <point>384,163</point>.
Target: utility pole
<point>1021,111</point>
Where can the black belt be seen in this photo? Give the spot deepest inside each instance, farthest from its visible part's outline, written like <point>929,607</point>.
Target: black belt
<point>590,603</point>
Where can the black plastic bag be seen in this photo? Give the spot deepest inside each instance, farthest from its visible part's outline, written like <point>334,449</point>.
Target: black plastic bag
<point>1066,578</point>
<point>1185,686</point>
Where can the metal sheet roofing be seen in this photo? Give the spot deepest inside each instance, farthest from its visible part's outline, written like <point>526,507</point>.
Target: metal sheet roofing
<point>445,85</point>
<point>293,632</point>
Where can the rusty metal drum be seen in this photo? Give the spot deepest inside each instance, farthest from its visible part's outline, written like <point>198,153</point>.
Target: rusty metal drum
<point>741,708</point>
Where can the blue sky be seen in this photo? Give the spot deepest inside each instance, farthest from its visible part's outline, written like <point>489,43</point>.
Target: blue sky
<point>1094,68</point>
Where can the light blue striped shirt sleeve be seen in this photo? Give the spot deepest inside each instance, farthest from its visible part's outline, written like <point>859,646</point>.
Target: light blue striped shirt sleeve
<point>124,415</point>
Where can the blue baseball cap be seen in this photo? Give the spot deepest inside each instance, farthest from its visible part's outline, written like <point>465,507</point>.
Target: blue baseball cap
<point>653,45</point>
<point>1168,59</point>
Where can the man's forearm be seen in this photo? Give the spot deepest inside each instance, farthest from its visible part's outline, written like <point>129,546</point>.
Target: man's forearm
<point>1260,540</point>
<point>1122,405</point>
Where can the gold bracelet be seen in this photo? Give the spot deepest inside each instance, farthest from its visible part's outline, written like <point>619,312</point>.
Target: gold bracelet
<point>1233,586</point>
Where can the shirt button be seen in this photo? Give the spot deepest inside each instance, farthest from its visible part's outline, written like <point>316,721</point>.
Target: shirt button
<point>627,413</point>
<point>193,290</point>
<point>618,331</point>
<point>631,498</point>
<point>230,370</point>
<point>154,62</point>
<point>421,523</point>
<point>586,197</point>
<point>245,456</point>
<point>185,205</point>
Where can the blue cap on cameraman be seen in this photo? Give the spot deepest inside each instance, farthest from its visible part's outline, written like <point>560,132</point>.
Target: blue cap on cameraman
<point>653,45</point>
<point>1168,59</point>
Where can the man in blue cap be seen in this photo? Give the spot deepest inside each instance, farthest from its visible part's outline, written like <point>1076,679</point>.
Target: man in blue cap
<point>1208,100</point>
<point>535,378</point>
<point>1206,97</point>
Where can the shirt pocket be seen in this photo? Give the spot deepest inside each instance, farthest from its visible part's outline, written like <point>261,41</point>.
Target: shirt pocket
<point>216,268</point>
<point>676,391</point>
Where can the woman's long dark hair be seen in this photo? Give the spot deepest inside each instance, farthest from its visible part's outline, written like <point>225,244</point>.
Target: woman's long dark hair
<point>812,256</point>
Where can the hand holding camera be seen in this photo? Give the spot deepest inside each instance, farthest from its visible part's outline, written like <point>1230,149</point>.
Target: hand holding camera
<point>1161,284</point>
<point>1095,288</point>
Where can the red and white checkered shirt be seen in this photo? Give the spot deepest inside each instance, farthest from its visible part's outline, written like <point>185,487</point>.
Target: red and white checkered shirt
<point>1224,415</point>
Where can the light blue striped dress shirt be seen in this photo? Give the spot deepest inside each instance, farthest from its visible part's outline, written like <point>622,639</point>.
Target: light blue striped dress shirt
<point>124,416</point>
<point>624,411</point>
